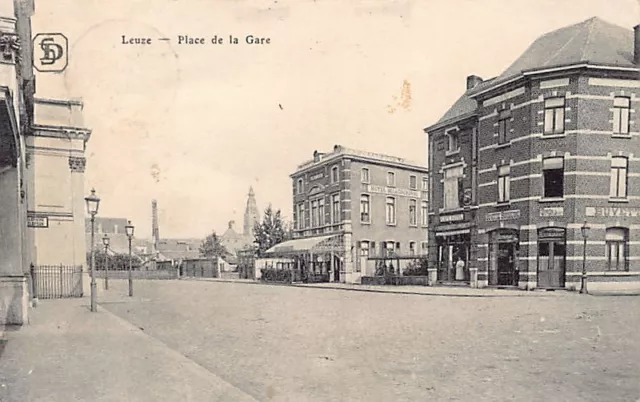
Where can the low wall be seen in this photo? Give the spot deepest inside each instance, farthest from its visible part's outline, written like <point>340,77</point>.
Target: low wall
<point>13,300</point>
<point>395,280</point>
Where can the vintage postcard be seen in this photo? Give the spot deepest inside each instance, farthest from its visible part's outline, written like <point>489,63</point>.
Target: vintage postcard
<point>314,200</point>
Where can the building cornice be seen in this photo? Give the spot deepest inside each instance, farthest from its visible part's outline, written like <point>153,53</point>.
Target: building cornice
<point>372,160</point>
<point>449,122</point>
<point>61,102</point>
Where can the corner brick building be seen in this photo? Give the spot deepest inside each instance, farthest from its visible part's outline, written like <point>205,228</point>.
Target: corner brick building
<point>521,161</point>
<point>351,206</point>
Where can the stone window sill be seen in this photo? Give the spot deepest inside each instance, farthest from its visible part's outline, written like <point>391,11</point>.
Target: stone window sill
<point>614,199</point>
<point>553,199</point>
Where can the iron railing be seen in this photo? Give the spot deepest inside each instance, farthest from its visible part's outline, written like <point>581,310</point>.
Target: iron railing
<point>56,281</point>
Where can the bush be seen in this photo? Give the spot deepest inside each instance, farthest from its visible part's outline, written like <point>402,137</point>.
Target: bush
<point>416,268</point>
<point>275,275</point>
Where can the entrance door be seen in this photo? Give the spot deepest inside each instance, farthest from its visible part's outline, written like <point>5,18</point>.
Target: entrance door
<point>551,263</point>
<point>506,265</point>
<point>336,269</point>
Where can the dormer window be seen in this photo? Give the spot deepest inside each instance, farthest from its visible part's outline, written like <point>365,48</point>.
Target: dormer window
<point>453,144</point>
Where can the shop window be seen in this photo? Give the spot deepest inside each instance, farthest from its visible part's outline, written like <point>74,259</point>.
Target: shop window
<point>391,211</point>
<point>553,177</point>
<point>554,115</point>
<point>621,111</point>
<point>551,257</point>
<point>413,213</point>
<point>453,187</point>
<point>504,185</point>
<point>365,208</point>
<point>618,187</point>
<point>503,126</point>
<point>413,182</point>
<point>617,249</point>
<point>364,175</point>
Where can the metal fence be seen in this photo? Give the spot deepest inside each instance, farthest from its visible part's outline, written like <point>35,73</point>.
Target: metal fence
<point>56,281</point>
<point>155,274</point>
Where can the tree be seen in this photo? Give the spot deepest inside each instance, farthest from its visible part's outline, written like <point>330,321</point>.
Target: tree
<point>212,247</point>
<point>271,231</point>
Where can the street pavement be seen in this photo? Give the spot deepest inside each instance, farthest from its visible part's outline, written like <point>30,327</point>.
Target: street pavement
<point>215,341</point>
<point>67,353</point>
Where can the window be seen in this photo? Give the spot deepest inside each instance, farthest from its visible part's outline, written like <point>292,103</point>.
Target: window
<point>413,182</point>
<point>364,176</point>
<point>321,211</point>
<point>617,249</point>
<point>424,246</point>
<point>412,248</point>
<point>503,126</point>
<point>452,141</point>
<point>314,213</point>
<point>618,188</point>
<point>413,212</point>
<point>300,215</point>
<point>621,110</point>
<point>334,174</point>
<point>504,186</point>
<point>554,116</point>
<point>453,187</point>
<point>425,184</point>
<point>424,213</point>
<point>364,208</point>
<point>553,177</point>
<point>391,211</point>
<point>300,187</point>
<point>364,255</point>
<point>115,229</point>
<point>391,179</point>
<point>389,248</point>
<point>335,208</point>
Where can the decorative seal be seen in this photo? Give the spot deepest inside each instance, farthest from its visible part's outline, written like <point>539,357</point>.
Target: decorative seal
<point>9,47</point>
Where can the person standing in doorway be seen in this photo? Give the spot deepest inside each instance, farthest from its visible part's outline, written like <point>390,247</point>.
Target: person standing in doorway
<point>460,269</point>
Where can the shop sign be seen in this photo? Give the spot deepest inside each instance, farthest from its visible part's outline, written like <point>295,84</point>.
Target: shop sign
<point>506,236</point>
<point>451,218</point>
<point>316,176</point>
<point>393,191</point>
<point>613,212</point>
<point>37,221</point>
<point>551,211</point>
<point>503,216</point>
<point>551,232</point>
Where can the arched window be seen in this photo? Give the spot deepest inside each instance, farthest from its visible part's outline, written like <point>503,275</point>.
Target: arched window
<point>617,249</point>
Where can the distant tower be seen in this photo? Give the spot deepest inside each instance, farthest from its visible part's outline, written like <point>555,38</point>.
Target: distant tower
<point>155,231</point>
<point>251,214</point>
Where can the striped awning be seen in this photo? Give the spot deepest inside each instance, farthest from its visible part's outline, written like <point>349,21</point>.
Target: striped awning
<point>453,232</point>
<point>307,245</point>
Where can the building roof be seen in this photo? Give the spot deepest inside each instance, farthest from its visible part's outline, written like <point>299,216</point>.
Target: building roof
<point>106,225</point>
<point>593,41</point>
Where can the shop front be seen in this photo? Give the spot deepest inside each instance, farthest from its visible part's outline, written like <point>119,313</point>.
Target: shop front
<point>453,255</point>
<point>503,257</point>
<point>552,254</point>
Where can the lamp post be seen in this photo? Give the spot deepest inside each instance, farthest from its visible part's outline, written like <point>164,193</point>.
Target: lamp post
<point>585,233</point>
<point>129,229</point>
<point>93,202</point>
<point>105,241</point>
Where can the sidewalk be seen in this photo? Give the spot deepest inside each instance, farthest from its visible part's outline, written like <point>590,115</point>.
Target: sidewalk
<point>68,353</point>
<point>410,290</point>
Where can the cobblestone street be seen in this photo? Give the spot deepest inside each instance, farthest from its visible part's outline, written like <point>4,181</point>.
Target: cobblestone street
<point>298,344</point>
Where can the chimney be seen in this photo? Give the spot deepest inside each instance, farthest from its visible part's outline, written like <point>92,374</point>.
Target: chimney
<point>473,81</point>
<point>155,230</point>
<point>636,44</point>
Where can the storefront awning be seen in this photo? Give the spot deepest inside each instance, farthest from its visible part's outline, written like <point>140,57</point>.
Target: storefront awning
<point>319,244</point>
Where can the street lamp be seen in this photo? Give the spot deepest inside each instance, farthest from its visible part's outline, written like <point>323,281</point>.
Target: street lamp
<point>129,230</point>
<point>585,233</point>
<point>93,202</point>
<point>105,241</point>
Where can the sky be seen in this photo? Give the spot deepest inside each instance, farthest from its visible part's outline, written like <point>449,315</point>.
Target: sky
<point>193,126</point>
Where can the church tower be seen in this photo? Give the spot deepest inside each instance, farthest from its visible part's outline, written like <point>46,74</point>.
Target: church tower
<point>251,214</point>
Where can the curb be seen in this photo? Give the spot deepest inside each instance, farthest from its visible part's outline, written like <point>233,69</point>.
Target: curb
<point>355,289</point>
<point>229,390</point>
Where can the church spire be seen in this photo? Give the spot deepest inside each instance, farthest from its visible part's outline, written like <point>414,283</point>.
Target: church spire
<point>251,215</point>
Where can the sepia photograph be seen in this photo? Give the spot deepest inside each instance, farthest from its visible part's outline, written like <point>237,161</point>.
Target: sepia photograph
<point>314,200</point>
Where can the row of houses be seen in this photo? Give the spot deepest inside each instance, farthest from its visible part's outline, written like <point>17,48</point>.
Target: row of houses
<point>531,177</point>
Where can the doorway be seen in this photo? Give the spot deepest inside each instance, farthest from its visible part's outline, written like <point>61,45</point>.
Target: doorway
<point>503,258</point>
<point>552,252</point>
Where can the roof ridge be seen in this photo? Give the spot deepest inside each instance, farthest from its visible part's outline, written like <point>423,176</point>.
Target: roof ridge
<point>591,28</point>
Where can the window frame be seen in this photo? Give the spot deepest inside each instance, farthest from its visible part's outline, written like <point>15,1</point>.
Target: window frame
<point>618,245</point>
<point>504,116</point>
<point>413,216</point>
<point>424,213</point>
<point>414,185</point>
<point>504,184</point>
<point>335,174</point>
<point>391,175</point>
<point>366,197</point>
<point>618,113</point>
<point>300,186</point>
<point>554,110</point>
<point>617,170</point>
<point>544,178</point>
<point>335,215</point>
<point>390,202</point>
<point>453,139</point>
<point>365,178</point>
